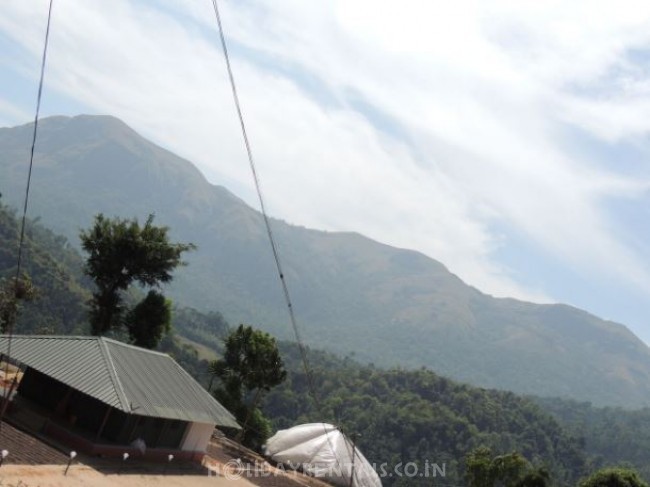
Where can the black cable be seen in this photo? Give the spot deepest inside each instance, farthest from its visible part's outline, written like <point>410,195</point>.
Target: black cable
<point>21,240</point>
<point>267,222</point>
<point>269,231</point>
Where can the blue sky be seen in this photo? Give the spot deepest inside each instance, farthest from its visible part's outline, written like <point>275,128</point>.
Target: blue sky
<point>507,139</point>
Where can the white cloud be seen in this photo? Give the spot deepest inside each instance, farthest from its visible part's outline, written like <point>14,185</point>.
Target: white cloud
<point>9,112</point>
<point>481,87</point>
<point>492,84</point>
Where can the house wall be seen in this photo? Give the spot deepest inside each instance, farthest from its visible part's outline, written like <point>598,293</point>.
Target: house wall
<point>88,416</point>
<point>124,428</point>
<point>66,404</point>
<point>43,390</point>
<point>81,444</point>
<point>197,437</point>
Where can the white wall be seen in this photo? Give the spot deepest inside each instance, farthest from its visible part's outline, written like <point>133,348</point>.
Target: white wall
<point>197,436</point>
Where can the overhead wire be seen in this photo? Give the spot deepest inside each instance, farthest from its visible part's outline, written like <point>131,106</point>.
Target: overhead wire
<point>33,146</point>
<point>274,248</point>
<point>21,239</point>
<point>267,224</point>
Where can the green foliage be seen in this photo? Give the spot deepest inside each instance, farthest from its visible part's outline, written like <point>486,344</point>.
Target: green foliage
<point>12,293</point>
<point>482,469</point>
<point>209,329</point>
<point>611,436</point>
<point>614,477</point>
<point>149,320</point>
<point>53,288</point>
<point>537,477</point>
<point>251,364</point>
<point>354,294</point>
<point>415,416</point>
<point>251,359</point>
<point>121,252</point>
<point>403,415</point>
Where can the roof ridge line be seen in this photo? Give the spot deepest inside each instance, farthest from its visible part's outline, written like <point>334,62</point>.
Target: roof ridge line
<point>52,337</point>
<point>88,337</point>
<point>135,347</point>
<point>112,371</point>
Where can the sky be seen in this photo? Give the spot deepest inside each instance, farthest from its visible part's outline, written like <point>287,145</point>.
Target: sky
<point>506,139</point>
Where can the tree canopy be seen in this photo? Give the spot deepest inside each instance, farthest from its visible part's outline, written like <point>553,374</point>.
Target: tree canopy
<point>251,364</point>
<point>483,469</point>
<point>251,359</point>
<point>51,293</point>
<point>149,320</point>
<point>12,292</point>
<point>414,415</point>
<point>614,477</point>
<point>122,252</point>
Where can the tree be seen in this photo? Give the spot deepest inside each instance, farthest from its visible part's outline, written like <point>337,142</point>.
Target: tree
<point>538,477</point>
<point>509,470</point>
<point>614,477</point>
<point>251,364</point>
<point>149,320</point>
<point>214,368</point>
<point>120,253</point>
<point>12,292</point>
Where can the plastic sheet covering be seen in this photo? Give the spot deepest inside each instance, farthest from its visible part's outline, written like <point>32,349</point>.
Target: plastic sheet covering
<point>323,451</point>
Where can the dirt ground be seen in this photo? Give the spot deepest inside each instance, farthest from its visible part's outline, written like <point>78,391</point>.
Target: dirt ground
<point>81,475</point>
<point>35,463</point>
<point>84,475</point>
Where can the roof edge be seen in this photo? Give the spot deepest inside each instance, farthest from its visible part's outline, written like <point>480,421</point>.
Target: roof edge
<point>88,337</point>
<point>119,389</point>
<point>127,345</point>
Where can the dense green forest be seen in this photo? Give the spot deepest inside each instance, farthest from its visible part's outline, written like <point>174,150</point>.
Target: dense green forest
<point>402,415</point>
<point>418,416</point>
<point>610,435</point>
<point>55,270</point>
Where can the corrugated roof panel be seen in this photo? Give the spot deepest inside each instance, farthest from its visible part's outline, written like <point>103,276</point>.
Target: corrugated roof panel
<point>131,379</point>
<point>75,361</point>
<point>160,387</point>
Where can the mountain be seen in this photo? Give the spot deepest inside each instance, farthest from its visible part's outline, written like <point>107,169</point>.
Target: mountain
<point>352,295</point>
<point>405,416</point>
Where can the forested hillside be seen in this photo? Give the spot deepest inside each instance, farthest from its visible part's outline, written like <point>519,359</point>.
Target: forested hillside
<point>62,291</point>
<point>393,307</point>
<point>54,268</point>
<point>415,416</point>
<point>611,435</point>
<point>402,415</point>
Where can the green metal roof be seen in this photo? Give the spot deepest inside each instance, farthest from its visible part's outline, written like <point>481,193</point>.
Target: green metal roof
<point>132,379</point>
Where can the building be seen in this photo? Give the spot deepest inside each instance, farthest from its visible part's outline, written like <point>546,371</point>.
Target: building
<point>99,396</point>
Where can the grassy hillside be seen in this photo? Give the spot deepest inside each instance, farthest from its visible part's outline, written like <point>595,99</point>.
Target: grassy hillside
<point>389,306</point>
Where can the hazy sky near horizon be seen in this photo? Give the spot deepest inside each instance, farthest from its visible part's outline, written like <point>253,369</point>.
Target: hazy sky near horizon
<point>506,139</point>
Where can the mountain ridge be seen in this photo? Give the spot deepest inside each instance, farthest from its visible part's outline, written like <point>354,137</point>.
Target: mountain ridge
<point>351,294</point>
<point>424,404</point>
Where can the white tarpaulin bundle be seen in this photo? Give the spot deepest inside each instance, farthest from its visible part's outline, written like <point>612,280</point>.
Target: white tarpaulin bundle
<point>322,450</point>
